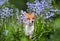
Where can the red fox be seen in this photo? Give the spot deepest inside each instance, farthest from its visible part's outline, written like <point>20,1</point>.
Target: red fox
<point>29,27</point>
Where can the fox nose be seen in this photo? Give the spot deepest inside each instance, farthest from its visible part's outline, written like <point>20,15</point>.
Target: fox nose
<point>32,21</point>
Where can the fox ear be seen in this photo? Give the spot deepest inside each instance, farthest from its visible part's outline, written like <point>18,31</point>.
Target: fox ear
<point>33,13</point>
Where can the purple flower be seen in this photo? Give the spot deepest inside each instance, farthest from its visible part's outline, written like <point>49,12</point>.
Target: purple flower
<point>2,2</point>
<point>6,12</point>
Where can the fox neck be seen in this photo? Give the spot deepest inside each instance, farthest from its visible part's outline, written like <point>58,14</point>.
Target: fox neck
<point>29,24</point>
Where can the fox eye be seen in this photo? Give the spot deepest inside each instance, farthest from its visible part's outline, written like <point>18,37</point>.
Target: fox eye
<point>33,18</point>
<point>28,18</point>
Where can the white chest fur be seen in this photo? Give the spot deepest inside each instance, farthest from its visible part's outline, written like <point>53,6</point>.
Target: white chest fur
<point>29,30</point>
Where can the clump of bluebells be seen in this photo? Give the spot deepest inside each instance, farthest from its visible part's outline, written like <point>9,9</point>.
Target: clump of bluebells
<point>6,12</point>
<point>42,8</point>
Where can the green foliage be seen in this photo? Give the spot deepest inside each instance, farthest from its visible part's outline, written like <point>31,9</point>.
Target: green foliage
<point>42,30</point>
<point>56,4</point>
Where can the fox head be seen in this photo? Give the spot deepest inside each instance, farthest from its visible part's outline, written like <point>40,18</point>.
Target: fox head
<point>30,18</point>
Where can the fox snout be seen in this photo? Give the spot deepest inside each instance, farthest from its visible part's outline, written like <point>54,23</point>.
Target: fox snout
<point>31,21</point>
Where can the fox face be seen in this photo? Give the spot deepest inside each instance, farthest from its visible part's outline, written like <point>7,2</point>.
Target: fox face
<point>30,18</point>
